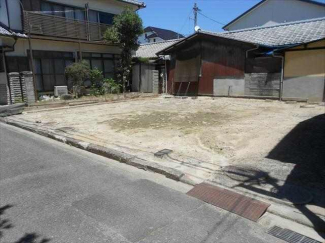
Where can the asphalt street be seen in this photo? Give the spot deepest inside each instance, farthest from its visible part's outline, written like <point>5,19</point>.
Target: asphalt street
<point>51,192</point>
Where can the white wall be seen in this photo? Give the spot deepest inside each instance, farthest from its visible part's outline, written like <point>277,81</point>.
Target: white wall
<point>155,39</point>
<point>142,38</point>
<point>274,12</point>
<point>3,13</point>
<point>22,46</point>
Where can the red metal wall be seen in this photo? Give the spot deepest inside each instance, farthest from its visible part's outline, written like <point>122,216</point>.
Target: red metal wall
<point>220,59</point>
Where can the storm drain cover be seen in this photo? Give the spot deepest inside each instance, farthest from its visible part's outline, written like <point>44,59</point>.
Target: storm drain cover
<point>231,201</point>
<point>243,173</point>
<point>290,236</point>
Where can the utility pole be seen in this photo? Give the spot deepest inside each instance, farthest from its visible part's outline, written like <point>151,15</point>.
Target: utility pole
<point>195,10</point>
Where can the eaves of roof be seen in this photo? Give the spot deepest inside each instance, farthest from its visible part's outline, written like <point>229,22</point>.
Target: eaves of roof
<point>134,2</point>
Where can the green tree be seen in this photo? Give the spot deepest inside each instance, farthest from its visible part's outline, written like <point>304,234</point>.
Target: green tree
<point>126,29</point>
<point>77,73</point>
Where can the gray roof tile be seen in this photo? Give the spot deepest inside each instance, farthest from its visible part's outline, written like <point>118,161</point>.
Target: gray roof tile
<point>290,33</point>
<point>5,32</point>
<point>134,2</point>
<point>149,50</point>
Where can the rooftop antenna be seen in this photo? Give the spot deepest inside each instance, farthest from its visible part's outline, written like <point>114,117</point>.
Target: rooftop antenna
<point>195,11</point>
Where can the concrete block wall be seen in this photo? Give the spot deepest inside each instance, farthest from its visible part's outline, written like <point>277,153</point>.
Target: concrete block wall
<point>155,81</point>
<point>4,94</point>
<point>28,81</point>
<point>228,87</point>
<point>262,84</point>
<point>22,87</point>
<point>17,89</point>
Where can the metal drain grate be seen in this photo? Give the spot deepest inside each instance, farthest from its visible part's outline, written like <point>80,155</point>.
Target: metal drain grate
<point>290,236</point>
<point>231,201</point>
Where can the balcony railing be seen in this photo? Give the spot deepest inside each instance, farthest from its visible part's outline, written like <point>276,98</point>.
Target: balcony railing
<point>56,26</point>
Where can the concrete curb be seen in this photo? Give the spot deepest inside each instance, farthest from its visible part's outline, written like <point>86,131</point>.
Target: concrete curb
<point>279,210</point>
<point>100,150</point>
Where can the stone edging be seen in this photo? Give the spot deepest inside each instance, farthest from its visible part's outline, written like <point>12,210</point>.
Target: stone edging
<point>100,150</point>
<point>136,162</point>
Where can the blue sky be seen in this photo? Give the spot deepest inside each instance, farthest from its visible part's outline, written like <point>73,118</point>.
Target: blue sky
<point>174,14</point>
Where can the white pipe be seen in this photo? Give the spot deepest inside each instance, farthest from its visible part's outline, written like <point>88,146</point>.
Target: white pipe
<point>282,75</point>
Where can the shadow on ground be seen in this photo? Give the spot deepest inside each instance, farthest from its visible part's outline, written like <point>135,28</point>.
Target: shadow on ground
<point>6,225</point>
<point>303,146</point>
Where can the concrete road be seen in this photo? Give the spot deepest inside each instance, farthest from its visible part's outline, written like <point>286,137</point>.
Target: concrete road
<point>51,192</point>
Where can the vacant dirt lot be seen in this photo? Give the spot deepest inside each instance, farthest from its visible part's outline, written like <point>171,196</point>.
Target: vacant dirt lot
<point>206,132</point>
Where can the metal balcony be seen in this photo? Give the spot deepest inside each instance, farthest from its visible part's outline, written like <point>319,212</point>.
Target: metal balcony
<point>56,26</point>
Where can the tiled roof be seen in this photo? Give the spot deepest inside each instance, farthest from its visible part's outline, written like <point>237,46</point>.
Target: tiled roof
<point>290,33</point>
<point>5,32</point>
<point>134,2</point>
<point>163,33</point>
<point>149,50</point>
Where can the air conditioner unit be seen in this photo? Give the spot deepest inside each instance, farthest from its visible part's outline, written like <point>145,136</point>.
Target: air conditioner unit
<point>60,90</point>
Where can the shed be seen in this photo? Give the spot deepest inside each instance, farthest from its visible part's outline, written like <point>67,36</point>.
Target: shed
<point>238,63</point>
<point>148,72</point>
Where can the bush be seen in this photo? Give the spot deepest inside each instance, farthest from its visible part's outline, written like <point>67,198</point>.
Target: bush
<point>77,73</point>
<point>111,86</point>
<point>66,97</point>
<point>101,85</point>
<point>96,78</point>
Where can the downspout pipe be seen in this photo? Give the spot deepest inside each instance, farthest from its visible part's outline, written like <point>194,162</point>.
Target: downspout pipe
<point>282,74</point>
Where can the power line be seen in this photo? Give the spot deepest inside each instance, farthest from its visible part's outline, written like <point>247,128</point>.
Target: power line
<point>211,19</point>
<point>187,19</point>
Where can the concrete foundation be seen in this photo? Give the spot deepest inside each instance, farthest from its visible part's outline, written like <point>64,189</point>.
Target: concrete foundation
<point>308,87</point>
<point>228,87</point>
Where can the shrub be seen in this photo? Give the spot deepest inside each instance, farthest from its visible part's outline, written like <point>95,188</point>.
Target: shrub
<point>111,86</point>
<point>66,97</point>
<point>96,78</point>
<point>77,73</point>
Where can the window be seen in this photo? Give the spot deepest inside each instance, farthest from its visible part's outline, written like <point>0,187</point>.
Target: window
<point>49,69</point>
<point>93,16</point>
<point>103,62</point>
<point>76,13</point>
<point>106,18</point>
<point>63,11</point>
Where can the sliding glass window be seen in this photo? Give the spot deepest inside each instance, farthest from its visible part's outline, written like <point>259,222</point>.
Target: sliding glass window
<point>50,68</point>
<point>103,62</point>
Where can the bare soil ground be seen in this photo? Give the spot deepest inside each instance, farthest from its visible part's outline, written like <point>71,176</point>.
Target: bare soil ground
<point>205,133</point>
